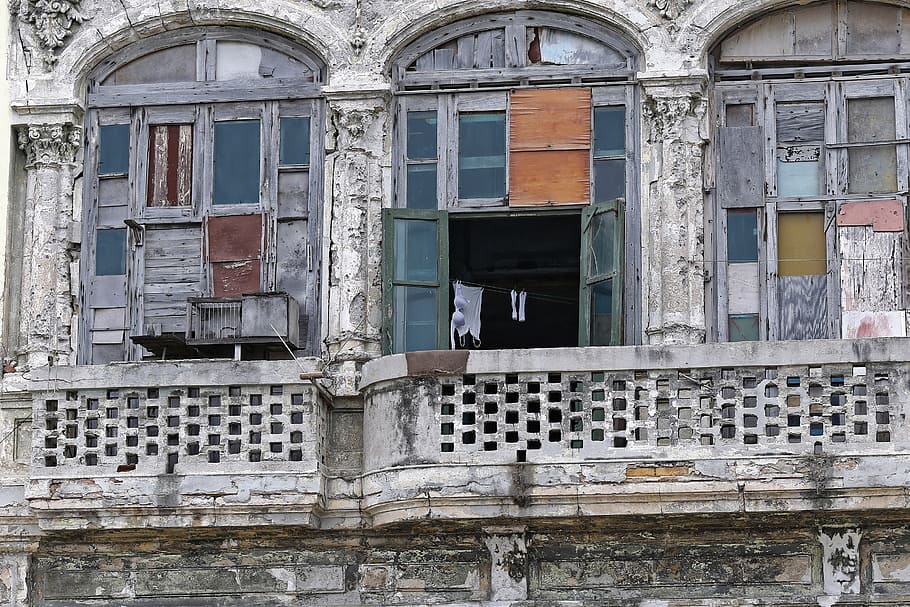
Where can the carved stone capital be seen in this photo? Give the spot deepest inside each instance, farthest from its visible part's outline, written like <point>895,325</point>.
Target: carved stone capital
<point>51,21</point>
<point>358,120</point>
<point>49,144</point>
<point>666,115</point>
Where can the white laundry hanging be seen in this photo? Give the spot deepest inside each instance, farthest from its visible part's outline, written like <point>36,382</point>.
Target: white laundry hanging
<point>466,318</point>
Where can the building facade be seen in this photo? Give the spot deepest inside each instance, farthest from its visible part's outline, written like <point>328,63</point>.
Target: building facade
<point>319,302</point>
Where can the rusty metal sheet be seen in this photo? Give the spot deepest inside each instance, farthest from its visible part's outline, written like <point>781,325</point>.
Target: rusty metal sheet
<point>550,119</point>
<point>882,215</point>
<point>235,277</point>
<point>170,167</point>
<point>234,237</point>
<point>550,178</point>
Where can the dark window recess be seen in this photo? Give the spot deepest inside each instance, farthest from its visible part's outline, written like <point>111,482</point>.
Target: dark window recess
<point>236,162</point>
<point>294,144</point>
<point>114,150</point>
<point>110,252</point>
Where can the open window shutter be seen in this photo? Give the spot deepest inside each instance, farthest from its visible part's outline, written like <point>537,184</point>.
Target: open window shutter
<point>600,299</point>
<point>740,172</point>
<point>235,253</point>
<point>415,280</point>
<point>550,147</point>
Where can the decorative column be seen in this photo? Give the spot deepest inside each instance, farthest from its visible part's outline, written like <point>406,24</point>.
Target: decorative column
<point>508,563</point>
<point>356,173</point>
<point>46,300</point>
<point>674,136</point>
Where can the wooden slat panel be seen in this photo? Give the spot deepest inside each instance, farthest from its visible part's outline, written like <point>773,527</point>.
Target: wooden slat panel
<point>172,274</point>
<point>870,269</point>
<point>803,307</point>
<point>740,170</point>
<point>234,237</point>
<point>549,178</point>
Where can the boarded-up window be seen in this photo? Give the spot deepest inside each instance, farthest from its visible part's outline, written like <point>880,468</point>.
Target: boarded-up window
<point>234,252</point>
<point>800,137</point>
<point>550,147</point>
<point>170,175</point>
<point>802,270</point>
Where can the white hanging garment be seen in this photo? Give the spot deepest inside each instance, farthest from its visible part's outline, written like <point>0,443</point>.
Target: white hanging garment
<point>513,295</point>
<point>468,301</point>
<point>522,298</point>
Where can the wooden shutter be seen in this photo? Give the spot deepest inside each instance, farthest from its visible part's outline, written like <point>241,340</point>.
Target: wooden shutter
<point>740,171</point>
<point>550,147</point>
<point>235,253</point>
<point>170,165</point>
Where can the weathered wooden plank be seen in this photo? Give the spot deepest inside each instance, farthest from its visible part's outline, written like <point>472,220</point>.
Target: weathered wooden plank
<point>483,50</point>
<point>499,48</point>
<point>871,265</point>
<point>464,53</point>
<point>798,122</point>
<point>425,62</point>
<point>444,58</point>
<point>803,307</point>
<point>740,171</point>
<point>204,92</point>
<point>743,288</point>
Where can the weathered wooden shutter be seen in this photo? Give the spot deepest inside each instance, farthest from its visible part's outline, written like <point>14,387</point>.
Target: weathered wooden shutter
<point>550,147</point>
<point>601,292</point>
<point>740,170</point>
<point>170,162</point>
<point>415,280</point>
<point>235,253</point>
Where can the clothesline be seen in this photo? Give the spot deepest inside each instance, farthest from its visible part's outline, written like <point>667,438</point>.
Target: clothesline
<point>553,298</point>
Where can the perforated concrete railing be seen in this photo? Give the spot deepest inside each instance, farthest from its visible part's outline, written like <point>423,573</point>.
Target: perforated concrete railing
<point>159,429</point>
<point>608,414</point>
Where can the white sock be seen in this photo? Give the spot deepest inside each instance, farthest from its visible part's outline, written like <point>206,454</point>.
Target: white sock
<point>521,305</point>
<point>514,310</point>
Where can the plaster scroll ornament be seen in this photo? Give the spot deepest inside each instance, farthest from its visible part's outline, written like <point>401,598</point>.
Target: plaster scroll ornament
<point>49,144</point>
<point>51,20</point>
<point>670,9</point>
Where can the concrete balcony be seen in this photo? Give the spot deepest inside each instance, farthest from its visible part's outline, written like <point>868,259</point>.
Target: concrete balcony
<point>719,428</point>
<point>176,444</point>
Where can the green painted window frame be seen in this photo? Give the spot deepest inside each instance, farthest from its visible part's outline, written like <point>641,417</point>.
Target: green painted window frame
<point>587,281</point>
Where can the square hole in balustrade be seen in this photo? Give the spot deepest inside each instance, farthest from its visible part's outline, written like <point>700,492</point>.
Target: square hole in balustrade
<point>448,389</point>
<point>151,449</point>
<point>598,414</point>
<point>275,408</point>
<point>576,443</point>
<point>620,441</point>
<point>91,404</point>
<point>576,406</point>
<point>533,426</point>
<point>235,410</point>
<point>770,372</point>
<point>772,430</point>
<point>598,395</point>
<point>91,459</point>
<point>772,410</point>
<point>883,436</point>
<point>72,414</point>
<point>882,417</point>
<point>554,435</point>
<point>619,385</point>
<point>554,396</point>
<point>276,447</point>
<point>663,404</point>
<point>641,413</point>
<point>750,439</point>
<point>50,461</point>
<point>447,429</point>
<point>490,445</point>
<point>838,399</point>
<point>151,430</point>
<point>533,406</point>
<point>132,459</point>
<point>214,457</point>
<point>597,376</point>
<point>173,440</point>
<point>816,409</point>
<point>255,437</point>
<point>727,431</point>
<point>771,391</point>
<point>297,400</point>
<point>297,416</point>
<point>468,418</point>
<point>794,438</point>
<point>50,424</point>
<point>276,390</point>
<point>193,410</point>
<point>92,423</point>
<point>214,420</point>
<point>838,419</point>
<point>490,408</point>
<point>71,431</point>
<point>490,388</point>
<point>255,400</point>
<point>296,437</point>
<point>793,381</point>
<point>173,401</point>
<point>192,448</point>
<point>489,427</point>
<point>837,380</point>
<point>882,398</point>
<point>296,455</point>
<point>511,436</point>
<point>859,390</point>
<point>214,439</point>
<point>151,412</point>
<point>113,393</point>
<point>234,429</point>
<point>816,429</point>
<point>112,413</point>
<point>512,397</point>
<point>110,450</point>
<point>192,429</point>
<point>233,390</point>
<point>132,402</point>
<point>468,380</point>
<point>255,418</point>
<point>51,443</point>
<point>793,400</point>
<point>860,408</point>
<point>511,378</point>
<point>132,422</point>
<point>110,431</point>
<point>533,444</point>
<point>728,412</point>
<point>597,434</point>
<point>619,424</point>
<point>838,437</point>
<point>469,437</point>
<point>749,383</point>
<point>793,421</point>
<point>706,439</point>
<point>469,398</point>
<point>511,417</point>
<point>50,406</point>
<point>619,404</point>
<point>554,416</point>
<point>276,428</point>
<point>750,421</point>
<point>663,441</point>
<point>255,455</point>
<point>576,424</point>
<point>685,433</point>
<point>750,402</point>
<point>728,392</point>
<point>233,447</point>
<point>69,451</point>
<point>816,391</point>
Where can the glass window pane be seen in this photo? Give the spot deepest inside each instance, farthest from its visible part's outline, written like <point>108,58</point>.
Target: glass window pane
<point>114,149</point>
<point>609,131</point>
<point>801,246</point>
<point>422,186</point>
<point>742,235</point>
<point>743,327</point>
<point>422,135</point>
<point>414,319</point>
<point>415,250</point>
<point>798,178</point>
<point>872,169</point>
<point>294,147</point>
<point>603,233</point>
<point>110,252</point>
<point>482,155</point>
<point>602,313</point>
<point>609,179</point>
<point>236,179</point>
<point>870,119</point>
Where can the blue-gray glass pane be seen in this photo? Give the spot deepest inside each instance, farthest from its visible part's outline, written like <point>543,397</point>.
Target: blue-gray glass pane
<point>414,319</point>
<point>603,232</point>
<point>602,313</point>
<point>114,149</point>
<point>110,252</point>
<point>482,155</point>
<point>294,147</point>
<point>743,327</point>
<point>609,131</point>
<point>422,135</point>
<point>236,179</point>
<point>416,251</point>
<point>422,186</point>
<point>609,179</point>
<point>742,235</point>
<point>798,178</point>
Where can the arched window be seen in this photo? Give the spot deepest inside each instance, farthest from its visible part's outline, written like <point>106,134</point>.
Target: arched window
<point>515,171</point>
<point>200,223</point>
<point>812,173</point>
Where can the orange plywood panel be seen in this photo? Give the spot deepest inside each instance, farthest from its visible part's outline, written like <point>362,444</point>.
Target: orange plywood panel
<point>550,119</point>
<point>550,178</point>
